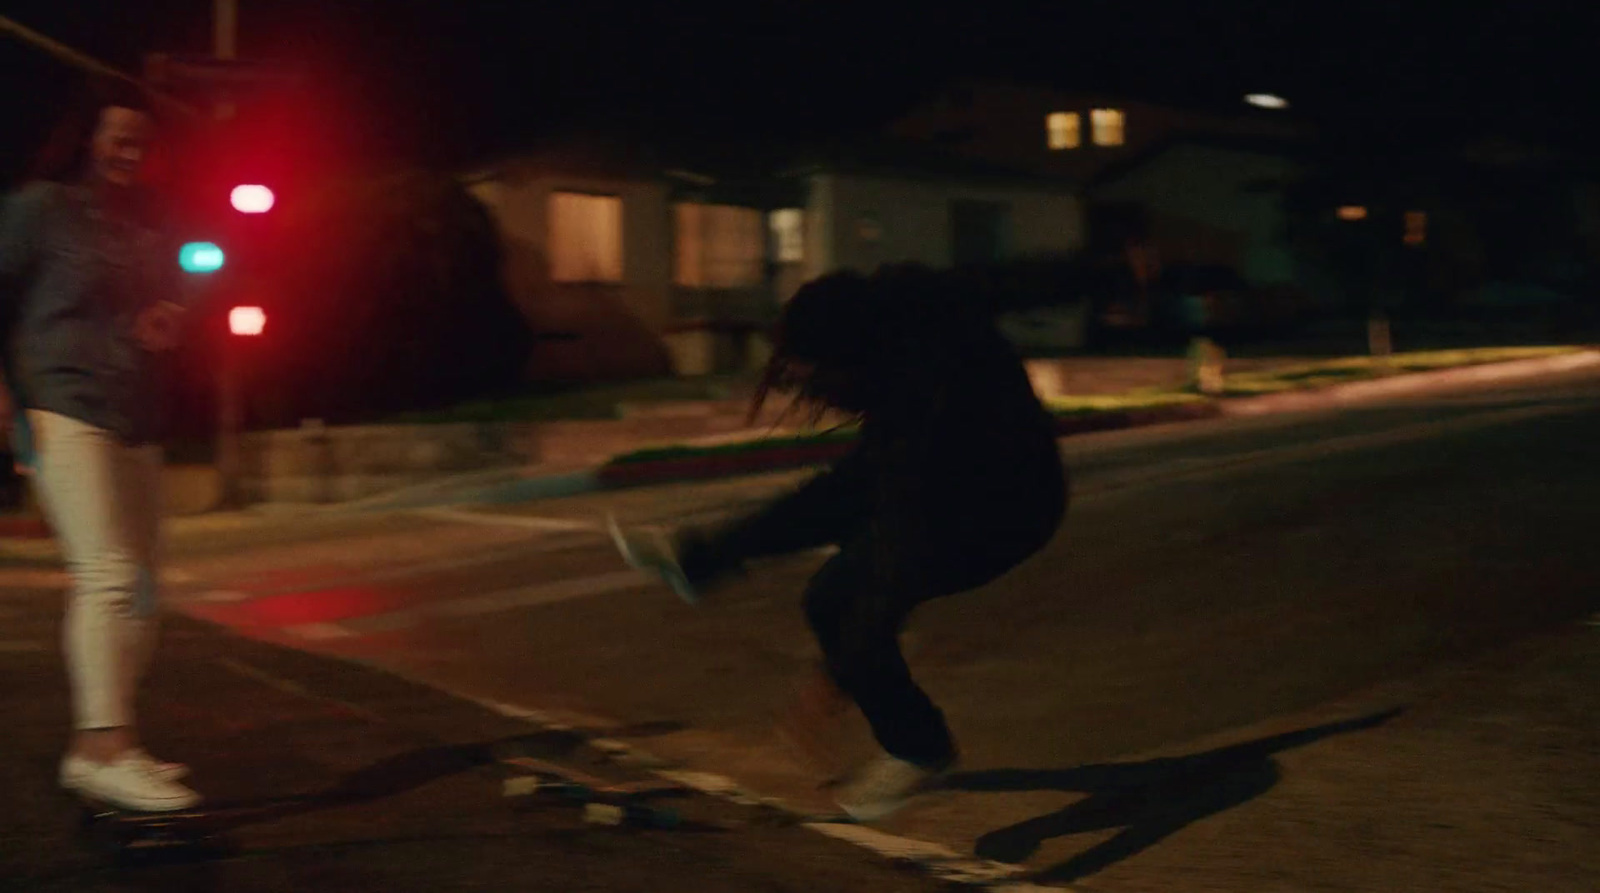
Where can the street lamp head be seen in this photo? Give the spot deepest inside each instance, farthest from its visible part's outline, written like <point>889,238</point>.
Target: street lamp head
<point>1267,101</point>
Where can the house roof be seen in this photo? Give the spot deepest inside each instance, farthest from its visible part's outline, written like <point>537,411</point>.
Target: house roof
<point>762,173</point>
<point>1242,144</point>
<point>904,159</point>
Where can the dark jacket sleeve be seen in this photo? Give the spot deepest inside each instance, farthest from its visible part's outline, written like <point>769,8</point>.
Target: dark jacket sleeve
<point>21,221</point>
<point>826,509</point>
<point>21,233</point>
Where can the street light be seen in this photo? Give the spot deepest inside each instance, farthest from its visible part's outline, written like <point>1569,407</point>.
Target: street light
<point>251,198</point>
<point>200,257</point>
<point>247,321</point>
<point>1267,101</point>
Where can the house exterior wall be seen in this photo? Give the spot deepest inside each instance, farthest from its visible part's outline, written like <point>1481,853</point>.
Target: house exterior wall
<point>911,220</point>
<point>1203,189</point>
<point>521,209</point>
<point>1004,123</point>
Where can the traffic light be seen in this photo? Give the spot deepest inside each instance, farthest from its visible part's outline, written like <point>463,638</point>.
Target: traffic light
<point>200,257</point>
<point>247,320</point>
<point>252,198</point>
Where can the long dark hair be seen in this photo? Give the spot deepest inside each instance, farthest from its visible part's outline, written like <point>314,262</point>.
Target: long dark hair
<point>64,156</point>
<point>850,327</point>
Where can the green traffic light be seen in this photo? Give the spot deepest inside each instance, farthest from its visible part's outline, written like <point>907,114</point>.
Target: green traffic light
<point>200,257</point>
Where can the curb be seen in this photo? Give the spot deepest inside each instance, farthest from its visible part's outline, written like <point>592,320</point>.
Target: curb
<point>1407,383</point>
<point>624,475</point>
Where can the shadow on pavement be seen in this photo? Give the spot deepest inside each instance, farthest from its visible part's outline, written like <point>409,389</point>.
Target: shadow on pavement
<point>389,777</point>
<point>1149,800</point>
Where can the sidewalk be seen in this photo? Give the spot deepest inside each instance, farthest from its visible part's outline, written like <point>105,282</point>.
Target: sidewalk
<point>347,779</point>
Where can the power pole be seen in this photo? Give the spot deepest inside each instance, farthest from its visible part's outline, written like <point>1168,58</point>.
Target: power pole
<point>225,45</point>
<point>225,29</point>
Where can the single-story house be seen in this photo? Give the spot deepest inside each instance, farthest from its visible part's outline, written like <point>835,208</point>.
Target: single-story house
<point>660,263</point>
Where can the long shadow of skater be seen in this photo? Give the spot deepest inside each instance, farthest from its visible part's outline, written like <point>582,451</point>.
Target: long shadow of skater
<point>391,776</point>
<point>1149,800</point>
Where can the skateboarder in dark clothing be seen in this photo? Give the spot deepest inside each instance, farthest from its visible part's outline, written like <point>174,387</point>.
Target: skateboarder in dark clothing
<point>955,480</point>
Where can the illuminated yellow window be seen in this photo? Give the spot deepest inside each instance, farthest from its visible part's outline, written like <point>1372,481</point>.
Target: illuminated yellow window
<point>719,246</point>
<point>1416,227</point>
<point>585,237</point>
<point>788,235</point>
<point>1352,212</point>
<point>1064,130</point>
<point>1110,126</point>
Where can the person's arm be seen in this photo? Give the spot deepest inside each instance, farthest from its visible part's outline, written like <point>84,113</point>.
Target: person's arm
<point>21,216</point>
<point>823,510</point>
<point>21,222</point>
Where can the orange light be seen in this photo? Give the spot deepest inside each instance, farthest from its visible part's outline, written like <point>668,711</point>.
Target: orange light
<point>252,199</point>
<point>247,320</point>
<point>1352,212</point>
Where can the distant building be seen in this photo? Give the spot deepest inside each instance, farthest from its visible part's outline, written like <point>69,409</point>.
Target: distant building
<point>1160,185</point>
<point>676,259</point>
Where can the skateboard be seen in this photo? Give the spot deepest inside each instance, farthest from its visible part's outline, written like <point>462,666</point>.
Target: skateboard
<point>603,802</point>
<point>651,551</point>
<point>129,835</point>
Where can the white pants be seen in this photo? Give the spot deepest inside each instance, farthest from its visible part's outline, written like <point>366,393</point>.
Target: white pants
<point>103,500</point>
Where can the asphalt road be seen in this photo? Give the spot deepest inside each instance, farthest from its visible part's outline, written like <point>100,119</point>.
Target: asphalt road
<point>1216,582</point>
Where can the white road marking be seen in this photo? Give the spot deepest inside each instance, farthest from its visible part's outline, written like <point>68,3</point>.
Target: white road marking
<point>294,688</point>
<point>58,578</point>
<point>504,600</point>
<point>319,631</point>
<point>940,861</point>
<point>937,860</point>
<point>530,522</point>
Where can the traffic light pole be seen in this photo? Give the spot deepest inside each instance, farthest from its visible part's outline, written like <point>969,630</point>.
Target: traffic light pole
<point>225,28</point>
<point>229,419</point>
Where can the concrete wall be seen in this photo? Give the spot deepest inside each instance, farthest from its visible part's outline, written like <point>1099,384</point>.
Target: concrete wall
<point>912,219</point>
<point>316,465</point>
<point>1203,188</point>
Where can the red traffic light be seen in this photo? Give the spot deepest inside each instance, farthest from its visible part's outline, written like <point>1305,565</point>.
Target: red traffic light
<point>252,199</point>
<point>247,320</point>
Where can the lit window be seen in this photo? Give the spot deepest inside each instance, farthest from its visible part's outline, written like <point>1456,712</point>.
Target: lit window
<point>1110,126</point>
<point>788,235</point>
<point>1416,227</point>
<point>719,246</point>
<point>1352,212</point>
<point>585,237</point>
<point>1063,130</point>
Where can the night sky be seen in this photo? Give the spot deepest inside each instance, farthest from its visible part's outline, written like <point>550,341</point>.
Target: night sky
<point>445,82</point>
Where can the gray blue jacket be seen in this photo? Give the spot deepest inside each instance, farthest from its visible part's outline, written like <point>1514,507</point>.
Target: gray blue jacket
<point>73,280</point>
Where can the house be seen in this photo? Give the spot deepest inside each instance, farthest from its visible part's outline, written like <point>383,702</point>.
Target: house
<point>1161,184</point>
<point>677,258</point>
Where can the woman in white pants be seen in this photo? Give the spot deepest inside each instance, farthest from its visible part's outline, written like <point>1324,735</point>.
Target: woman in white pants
<point>90,291</point>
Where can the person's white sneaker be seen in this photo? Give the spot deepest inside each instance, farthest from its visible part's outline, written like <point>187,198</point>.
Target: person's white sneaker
<point>131,783</point>
<point>652,550</point>
<point>73,766</point>
<point>883,786</point>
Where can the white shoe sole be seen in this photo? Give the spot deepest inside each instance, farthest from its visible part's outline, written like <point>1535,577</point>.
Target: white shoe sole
<point>669,573</point>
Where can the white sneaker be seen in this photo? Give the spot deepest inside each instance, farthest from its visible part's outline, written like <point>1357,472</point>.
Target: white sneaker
<point>652,550</point>
<point>130,783</point>
<point>883,786</point>
<point>73,766</point>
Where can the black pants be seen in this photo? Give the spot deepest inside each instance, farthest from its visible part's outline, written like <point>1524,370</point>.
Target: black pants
<point>857,612</point>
